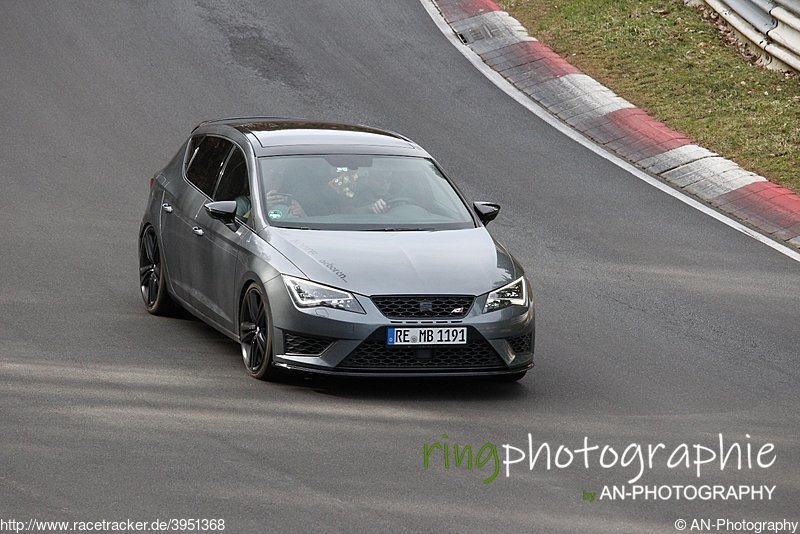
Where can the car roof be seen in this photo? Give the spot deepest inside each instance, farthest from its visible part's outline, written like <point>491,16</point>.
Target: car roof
<point>279,135</point>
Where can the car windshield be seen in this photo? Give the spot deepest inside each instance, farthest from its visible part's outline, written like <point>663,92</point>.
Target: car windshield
<point>359,192</point>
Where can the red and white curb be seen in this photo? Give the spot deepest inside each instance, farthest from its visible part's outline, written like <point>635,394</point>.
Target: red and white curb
<point>504,46</point>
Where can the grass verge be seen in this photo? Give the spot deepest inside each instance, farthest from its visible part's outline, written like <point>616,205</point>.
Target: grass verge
<point>676,63</point>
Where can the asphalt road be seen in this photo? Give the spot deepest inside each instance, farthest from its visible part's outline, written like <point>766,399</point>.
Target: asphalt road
<point>655,322</point>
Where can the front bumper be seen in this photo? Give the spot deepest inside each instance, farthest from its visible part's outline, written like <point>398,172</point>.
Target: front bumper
<point>337,342</point>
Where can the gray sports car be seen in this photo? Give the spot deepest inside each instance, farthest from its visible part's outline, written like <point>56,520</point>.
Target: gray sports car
<point>332,248</point>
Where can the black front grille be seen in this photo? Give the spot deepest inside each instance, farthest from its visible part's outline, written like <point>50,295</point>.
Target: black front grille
<point>297,344</point>
<point>520,344</point>
<point>376,355</point>
<point>425,306</point>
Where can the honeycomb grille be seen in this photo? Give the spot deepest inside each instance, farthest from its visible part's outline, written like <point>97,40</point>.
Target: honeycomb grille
<point>520,344</point>
<point>297,344</point>
<point>411,307</point>
<point>376,355</point>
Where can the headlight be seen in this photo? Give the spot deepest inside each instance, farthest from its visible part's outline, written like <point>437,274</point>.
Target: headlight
<point>307,294</point>
<point>513,294</point>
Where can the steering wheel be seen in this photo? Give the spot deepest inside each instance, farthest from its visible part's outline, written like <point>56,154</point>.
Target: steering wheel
<point>398,201</point>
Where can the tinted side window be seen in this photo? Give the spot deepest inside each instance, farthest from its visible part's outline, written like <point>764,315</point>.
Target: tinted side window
<point>206,163</point>
<point>235,185</point>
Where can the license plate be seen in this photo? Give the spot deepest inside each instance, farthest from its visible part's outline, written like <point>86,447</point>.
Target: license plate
<point>426,336</point>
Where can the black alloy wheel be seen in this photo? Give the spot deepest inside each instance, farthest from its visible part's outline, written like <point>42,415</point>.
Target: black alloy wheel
<point>255,333</point>
<point>152,279</point>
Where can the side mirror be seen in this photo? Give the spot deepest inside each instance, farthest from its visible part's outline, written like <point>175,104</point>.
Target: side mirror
<point>487,211</point>
<point>223,211</point>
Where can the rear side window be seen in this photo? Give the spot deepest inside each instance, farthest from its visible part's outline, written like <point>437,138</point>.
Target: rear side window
<point>206,162</point>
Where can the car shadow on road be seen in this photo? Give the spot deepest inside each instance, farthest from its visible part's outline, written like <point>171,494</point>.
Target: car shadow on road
<point>419,389</point>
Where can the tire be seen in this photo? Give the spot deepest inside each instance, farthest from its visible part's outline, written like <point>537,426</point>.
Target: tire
<point>152,276</point>
<point>255,334</point>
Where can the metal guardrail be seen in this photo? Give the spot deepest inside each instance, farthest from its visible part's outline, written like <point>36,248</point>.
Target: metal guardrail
<point>772,28</point>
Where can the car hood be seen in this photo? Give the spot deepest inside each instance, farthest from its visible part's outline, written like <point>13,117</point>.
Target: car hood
<point>467,262</point>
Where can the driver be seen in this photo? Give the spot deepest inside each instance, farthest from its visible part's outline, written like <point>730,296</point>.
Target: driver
<point>360,193</point>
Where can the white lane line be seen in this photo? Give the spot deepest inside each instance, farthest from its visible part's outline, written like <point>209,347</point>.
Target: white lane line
<point>576,136</point>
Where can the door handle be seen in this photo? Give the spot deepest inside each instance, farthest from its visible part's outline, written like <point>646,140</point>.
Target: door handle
<point>197,230</point>
<point>166,207</point>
